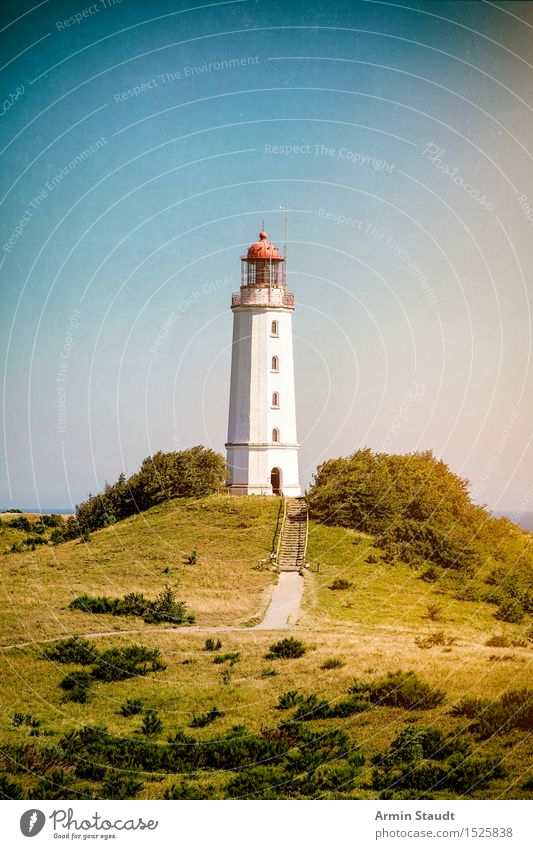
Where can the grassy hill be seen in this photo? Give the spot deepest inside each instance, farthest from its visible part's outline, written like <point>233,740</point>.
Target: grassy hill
<point>143,554</point>
<point>385,619</point>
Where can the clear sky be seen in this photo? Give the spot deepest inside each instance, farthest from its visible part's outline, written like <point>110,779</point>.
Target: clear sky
<point>144,142</point>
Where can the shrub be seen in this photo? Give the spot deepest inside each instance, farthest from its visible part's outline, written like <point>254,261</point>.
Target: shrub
<point>288,700</point>
<point>510,610</point>
<point>10,789</point>
<point>432,573</point>
<point>192,558</point>
<point>206,718</point>
<point>118,785</point>
<point>117,664</point>
<point>347,707</point>
<point>76,686</point>
<point>286,649</point>
<point>372,558</point>
<point>19,719</point>
<point>188,790</point>
<point>259,782</point>
<point>58,785</point>
<point>231,656</point>
<point>438,638</point>
<point>89,771</point>
<point>472,773</point>
<point>151,725</point>
<point>166,609</point>
<point>131,707</point>
<point>90,604</point>
<point>71,650</point>
<point>513,709</point>
<point>400,689</point>
<point>311,707</point>
<point>332,663</point>
<point>212,645</point>
<point>469,706</point>
<point>341,584</point>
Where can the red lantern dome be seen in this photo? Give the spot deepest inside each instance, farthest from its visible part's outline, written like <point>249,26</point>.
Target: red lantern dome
<point>263,249</point>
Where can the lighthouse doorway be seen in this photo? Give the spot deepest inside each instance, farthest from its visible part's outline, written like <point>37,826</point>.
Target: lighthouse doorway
<point>275,480</point>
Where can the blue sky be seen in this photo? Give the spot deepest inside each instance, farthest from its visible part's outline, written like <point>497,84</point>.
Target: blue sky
<point>143,144</point>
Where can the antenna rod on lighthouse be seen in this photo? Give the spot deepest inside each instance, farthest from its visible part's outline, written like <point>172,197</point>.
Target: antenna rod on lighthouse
<point>286,209</point>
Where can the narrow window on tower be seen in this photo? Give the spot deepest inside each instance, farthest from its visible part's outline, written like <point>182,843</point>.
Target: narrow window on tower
<point>275,364</point>
<point>274,329</point>
<point>275,435</point>
<point>275,400</point>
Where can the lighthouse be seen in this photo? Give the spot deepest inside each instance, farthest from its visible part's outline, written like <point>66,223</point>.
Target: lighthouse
<point>262,447</point>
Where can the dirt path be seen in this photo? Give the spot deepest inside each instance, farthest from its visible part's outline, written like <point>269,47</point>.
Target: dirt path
<point>282,613</point>
<point>284,608</point>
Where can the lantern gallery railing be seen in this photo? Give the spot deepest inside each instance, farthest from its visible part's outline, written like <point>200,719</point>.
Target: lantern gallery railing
<point>265,297</point>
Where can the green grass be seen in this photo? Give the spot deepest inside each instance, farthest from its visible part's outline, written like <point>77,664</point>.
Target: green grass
<point>230,535</point>
<point>369,629</point>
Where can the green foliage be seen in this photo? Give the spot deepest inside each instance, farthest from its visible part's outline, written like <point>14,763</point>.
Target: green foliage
<point>421,513</point>
<point>232,657</point>
<point>58,785</point>
<point>151,725</point>
<point>119,785</point>
<point>189,790</point>
<point>399,689</point>
<point>76,686</point>
<point>21,523</point>
<point>438,638</point>
<point>341,584</point>
<point>19,719</point>
<point>510,610</point>
<point>287,648</point>
<point>10,789</point>
<point>118,664</point>
<point>72,650</point>
<point>288,700</point>
<point>195,472</point>
<point>131,707</point>
<point>423,759</point>
<point>192,558</point>
<point>206,718</point>
<point>514,709</point>
<point>311,707</point>
<point>164,608</point>
<point>212,645</point>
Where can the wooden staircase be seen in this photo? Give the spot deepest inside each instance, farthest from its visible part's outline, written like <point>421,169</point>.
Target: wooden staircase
<point>293,536</point>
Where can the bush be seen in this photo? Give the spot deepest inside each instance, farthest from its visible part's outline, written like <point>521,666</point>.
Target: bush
<point>332,663</point>
<point>151,725</point>
<point>348,707</point>
<point>231,656</point>
<point>195,472</point>
<point>510,610</point>
<point>435,612</point>
<point>288,700</point>
<point>58,785</point>
<point>131,707</point>
<point>212,645</point>
<point>76,686</point>
<point>192,558</point>
<point>10,789</point>
<point>118,785</point>
<point>470,706</point>
<point>166,609</point>
<point>472,773</point>
<point>438,638</point>
<point>286,649</point>
<point>206,718</point>
<point>400,689</point>
<point>259,782</point>
<point>71,650</point>
<point>341,584</point>
<point>188,790</point>
<point>513,709</point>
<point>311,707</point>
<point>117,664</point>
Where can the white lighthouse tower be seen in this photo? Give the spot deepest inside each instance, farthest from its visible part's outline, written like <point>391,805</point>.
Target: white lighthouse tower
<point>262,445</point>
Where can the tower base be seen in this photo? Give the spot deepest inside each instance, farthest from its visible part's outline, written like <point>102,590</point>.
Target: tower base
<point>263,469</point>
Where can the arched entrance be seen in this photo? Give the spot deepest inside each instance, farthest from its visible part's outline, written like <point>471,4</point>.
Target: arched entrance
<point>275,480</point>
